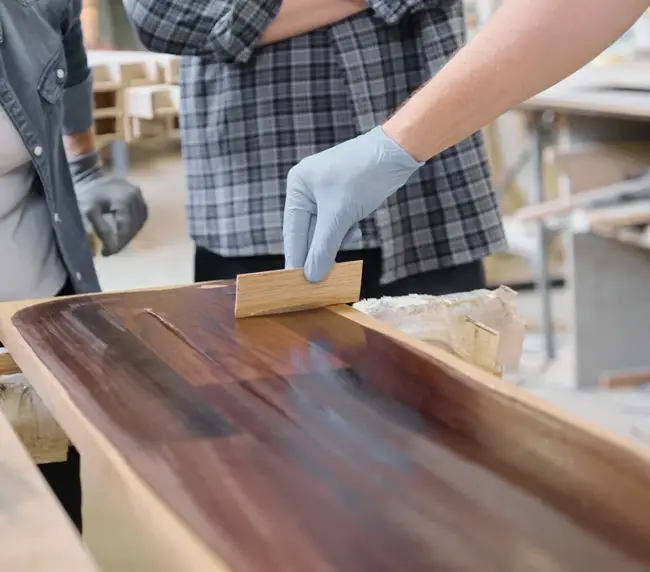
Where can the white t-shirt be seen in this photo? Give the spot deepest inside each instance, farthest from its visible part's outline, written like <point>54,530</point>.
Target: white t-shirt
<point>30,265</point>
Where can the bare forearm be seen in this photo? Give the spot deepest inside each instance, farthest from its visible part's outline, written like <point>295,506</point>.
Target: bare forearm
<point>525,48</point>
<point>77,144</point>
<point>301,16</point>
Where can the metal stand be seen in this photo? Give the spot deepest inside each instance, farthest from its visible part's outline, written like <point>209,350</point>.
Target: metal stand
<point>120,158</point>
<point>543,128</point>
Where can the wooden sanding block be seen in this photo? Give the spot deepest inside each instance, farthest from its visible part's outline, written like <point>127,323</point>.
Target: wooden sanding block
<point>281,291</point>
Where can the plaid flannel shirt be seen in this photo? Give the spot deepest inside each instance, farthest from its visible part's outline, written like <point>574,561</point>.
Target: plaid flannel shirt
<point>249,113</point>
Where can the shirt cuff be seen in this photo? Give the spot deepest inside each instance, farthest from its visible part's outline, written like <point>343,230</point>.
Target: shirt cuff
<point>392,11</point>
<point>78,107</point>
<point>239,33</point>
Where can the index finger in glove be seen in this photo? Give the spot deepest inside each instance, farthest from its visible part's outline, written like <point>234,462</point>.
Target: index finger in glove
<point>298,214</point>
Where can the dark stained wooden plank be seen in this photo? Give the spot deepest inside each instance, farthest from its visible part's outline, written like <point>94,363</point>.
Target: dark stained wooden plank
<point>310,442</point>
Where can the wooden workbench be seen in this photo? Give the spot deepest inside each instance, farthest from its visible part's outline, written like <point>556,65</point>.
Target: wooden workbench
<point>608,278</point>
<point>319,441</point>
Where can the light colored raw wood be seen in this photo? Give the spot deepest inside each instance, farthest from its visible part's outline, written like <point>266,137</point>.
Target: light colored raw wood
<point>636,213</point>
<point>104,78</point>
<point>139,73</point>
<point>565,205</point>
<point>171,70</point>
<point>280,291</point>
<point>149,102</point>
<point>95,243</point>
<point>38,431</point>
<point>151,111</point>
<point>621,379</point>
<point>481,345</point>
<point>35,533</point>
<point>8,365</point>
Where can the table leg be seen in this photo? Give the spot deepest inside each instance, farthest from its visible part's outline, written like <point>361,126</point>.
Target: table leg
<point>120,158</point>
<point>543,126</point>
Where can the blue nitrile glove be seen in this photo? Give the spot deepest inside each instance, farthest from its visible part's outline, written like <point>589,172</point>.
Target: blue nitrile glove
<point>330,192</point>
<point>114,207</point>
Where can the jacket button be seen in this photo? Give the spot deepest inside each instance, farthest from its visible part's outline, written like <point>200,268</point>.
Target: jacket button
<point>78,276</point>
<point>57,218</point>
<point>38,150</point>
<point>60,73</point>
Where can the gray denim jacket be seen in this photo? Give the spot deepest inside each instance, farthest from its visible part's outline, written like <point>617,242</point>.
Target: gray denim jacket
<point>46,90</point>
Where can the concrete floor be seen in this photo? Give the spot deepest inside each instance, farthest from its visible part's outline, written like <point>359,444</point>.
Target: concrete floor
<point>162,255</point>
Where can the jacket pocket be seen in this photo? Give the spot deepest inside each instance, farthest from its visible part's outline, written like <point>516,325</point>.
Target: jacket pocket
<point>52,81</point>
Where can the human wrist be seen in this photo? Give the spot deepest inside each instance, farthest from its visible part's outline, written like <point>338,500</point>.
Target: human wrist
<point>407,134</point>
<point>85,168</point>
<point>77,144</point>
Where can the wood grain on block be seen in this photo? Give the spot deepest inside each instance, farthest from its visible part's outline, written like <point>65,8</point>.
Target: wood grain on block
<point>7,364</point>
<point>325,440</point>
<point>279,291</point>
<point>35,534</point>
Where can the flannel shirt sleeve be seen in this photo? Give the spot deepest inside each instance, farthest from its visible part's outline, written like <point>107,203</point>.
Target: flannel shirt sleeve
<point>78,92</point>
<point>392,11</point>
<point>220,29</point>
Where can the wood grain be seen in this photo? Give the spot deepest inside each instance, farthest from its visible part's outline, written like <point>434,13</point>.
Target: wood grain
<point>280,291</point>
<point>8,365</point>
<point>35,533</point>
<point>315,441</point>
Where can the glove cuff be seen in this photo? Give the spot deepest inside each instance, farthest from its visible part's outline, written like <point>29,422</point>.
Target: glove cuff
<point>85,168</point>
<point>398,154</point>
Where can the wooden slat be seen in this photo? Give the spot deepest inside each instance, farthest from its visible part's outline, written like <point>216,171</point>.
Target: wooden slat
<point>35,534</point>
<point>8,365</point>
<point>564,206</point>
<point>280,291</point>
<point>637,213</point>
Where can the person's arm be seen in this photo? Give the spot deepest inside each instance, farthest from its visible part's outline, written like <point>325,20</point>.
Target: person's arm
<point>230,29</point>
<point>298,17</point>
<point>219,29</point>
<point>393,11</point>
<point>98,195</point>
<point>526,47</point>
<point>78,88</point>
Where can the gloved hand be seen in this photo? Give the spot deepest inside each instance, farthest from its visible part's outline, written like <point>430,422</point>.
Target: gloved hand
<point>114,207</point>
<point>328,193</point>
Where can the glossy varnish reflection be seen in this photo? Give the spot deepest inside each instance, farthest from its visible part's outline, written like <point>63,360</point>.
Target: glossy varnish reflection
<point>306,442</point>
